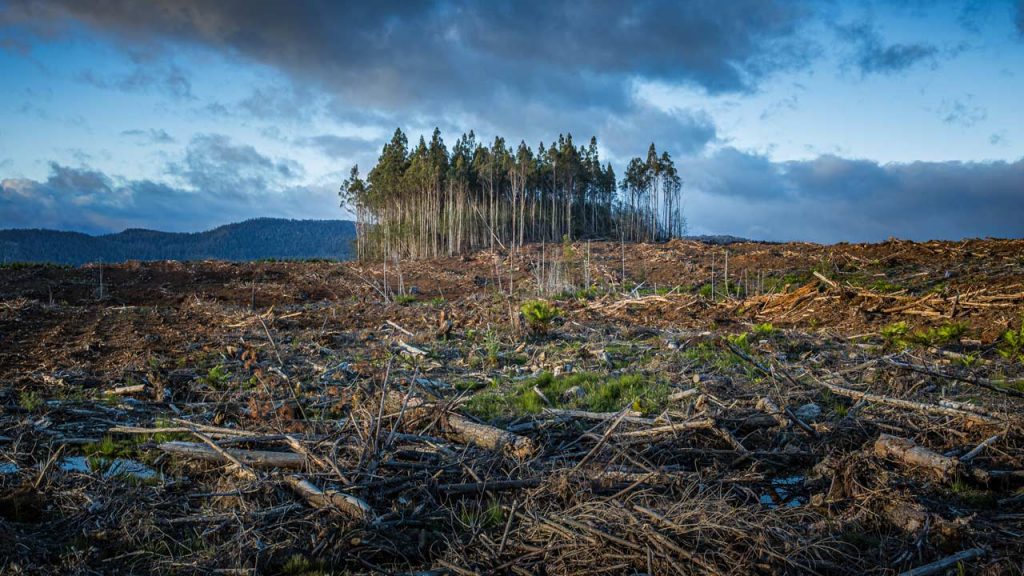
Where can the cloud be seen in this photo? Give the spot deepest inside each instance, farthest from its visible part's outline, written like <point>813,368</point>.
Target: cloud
<point>167,79</point>
<point>281,102</point>
<point>872,56</point>
<point>390,56</point>
<point>337,147</point>
<point>831,199</point>
<point>215,165</point>
<point>680,132</point>
<point>962,113</point>
<point>150,136</point>
<point>217,182</point>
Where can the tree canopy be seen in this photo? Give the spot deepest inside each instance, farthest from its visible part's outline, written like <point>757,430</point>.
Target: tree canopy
<point>428,201</point>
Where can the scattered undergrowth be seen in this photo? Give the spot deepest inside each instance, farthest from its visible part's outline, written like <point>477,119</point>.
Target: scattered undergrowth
<point>720,467</point>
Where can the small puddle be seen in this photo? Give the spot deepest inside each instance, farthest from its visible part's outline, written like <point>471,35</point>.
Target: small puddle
<point>781,492</point>
<point>8,468</point>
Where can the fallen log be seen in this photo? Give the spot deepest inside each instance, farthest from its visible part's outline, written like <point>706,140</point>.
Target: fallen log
<point>331,499</point>
<point>908,404</point>
<point>129,389</point>
<point>909,453</point>
<point>242,468</point>
<point>459,428</point>
<point>630,415</point>
<point>466,431</point>
<point>940,566</point>
<point>1000,386</point>
<point>256,458</point>
<point>869,397</point>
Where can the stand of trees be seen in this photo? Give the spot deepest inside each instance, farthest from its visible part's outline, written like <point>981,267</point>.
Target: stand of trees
<point>429,201</point>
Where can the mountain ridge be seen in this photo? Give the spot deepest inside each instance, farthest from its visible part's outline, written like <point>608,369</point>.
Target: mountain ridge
<point>254,239</point>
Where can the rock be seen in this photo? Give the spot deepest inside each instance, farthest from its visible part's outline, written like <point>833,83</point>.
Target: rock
<point>574,393</point>
<point>808,412</point>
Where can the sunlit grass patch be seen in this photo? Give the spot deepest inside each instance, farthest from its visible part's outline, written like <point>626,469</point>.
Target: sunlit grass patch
<point>599,393</point>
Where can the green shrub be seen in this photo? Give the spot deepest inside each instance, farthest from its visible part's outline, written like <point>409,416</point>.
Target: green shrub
<point>30,400</point>
<point>539,314</point>
<point>765,329</point>
<point>741,341</point>
<point>945,334</point>
<point>216,377</point>
<point>404,299</point>
<point>587,293</point>
<point>1012,345</point>
<point>967,360</point>
<point>895,334</point>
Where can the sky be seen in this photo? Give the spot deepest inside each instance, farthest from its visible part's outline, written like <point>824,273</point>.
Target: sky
<point>822,121</point>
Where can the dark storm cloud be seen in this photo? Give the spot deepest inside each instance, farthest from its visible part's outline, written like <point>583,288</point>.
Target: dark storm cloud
<point>396,54</point>
<point>218,183</point>
<point>872,56</point>
<point>722,46</point>
<point>150,136</point>
<point>830,199</point>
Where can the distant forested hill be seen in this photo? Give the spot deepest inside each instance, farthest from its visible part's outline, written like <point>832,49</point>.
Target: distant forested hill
<point>257,239</point>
